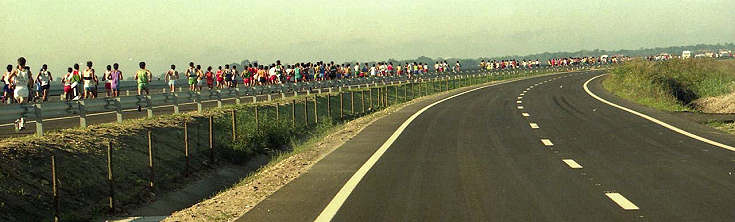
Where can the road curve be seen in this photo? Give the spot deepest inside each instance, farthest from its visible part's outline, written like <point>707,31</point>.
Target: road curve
<point>551,153</point>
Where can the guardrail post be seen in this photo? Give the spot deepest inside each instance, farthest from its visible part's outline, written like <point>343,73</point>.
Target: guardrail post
<point>118,110</point>
<point>237,95</point>
<point>149,106</point>
<point>82,114</point>
<point>219,98</point>
<point>37,111</point>
<point>198,100</point>
<point>175,102</point>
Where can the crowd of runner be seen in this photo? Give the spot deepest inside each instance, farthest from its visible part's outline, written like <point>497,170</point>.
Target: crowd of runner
<point>20,85</point>
<point>84,83</point>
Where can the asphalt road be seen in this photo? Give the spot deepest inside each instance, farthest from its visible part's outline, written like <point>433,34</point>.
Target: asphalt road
<point>476,157</point>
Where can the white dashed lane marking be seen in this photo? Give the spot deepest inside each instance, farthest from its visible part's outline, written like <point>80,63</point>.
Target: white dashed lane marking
<point>519,102</point>
<point>520,97</point>
<point>526,114</point>
<point>622,201</point>
<point>572,164</point>
<point>533,125</point>
<point>520,107</point>
<point>546,142</point>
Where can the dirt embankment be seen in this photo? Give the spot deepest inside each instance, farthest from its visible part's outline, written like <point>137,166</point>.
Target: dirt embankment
<point>718,104</point>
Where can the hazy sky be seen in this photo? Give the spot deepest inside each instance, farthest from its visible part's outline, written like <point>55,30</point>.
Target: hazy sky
<point>212,32</point>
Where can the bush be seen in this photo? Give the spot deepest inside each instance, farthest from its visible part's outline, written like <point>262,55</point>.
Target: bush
<point>672,85</point>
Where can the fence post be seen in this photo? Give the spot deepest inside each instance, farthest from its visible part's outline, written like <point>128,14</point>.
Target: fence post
<point>82,114</point>
<point>234,125</point>
<point>186,148</point>
<point>150,160</point>
<point>306,110</point>
<point>316,106</point>
<point>341,107</point>
<point>386,95</point>
<point>110,181</point>
<point>118,110</point>
<point>211,139</point>
<point>329,110</point>
<point>413,94</point>
<point>54,189</point>
<point>37,111</point>
<point>378,97</point>
<point>396,97</point>
<point>405,93</point>
<point>257,123</point>
<point>278,112</point>
<point>352,103</point>
<point>149,106</point>
<point>293,113</point>
<point>362,100</point>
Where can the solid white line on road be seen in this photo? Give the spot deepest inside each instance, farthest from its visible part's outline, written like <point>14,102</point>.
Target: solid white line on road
<point>622,201</point>
<point>526,114</point>
<point>331,209</point>
<point>546,142</point>
<point>573,164</point>
<point>534,125</point>
<point>520,107</point>
<point>519,102</point>
<point>659,122</point>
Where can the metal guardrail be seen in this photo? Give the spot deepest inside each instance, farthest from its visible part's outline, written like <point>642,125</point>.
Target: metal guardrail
<point>39,112</point>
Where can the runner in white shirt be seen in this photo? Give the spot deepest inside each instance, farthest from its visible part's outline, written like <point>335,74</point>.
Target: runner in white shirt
<point>44,79</point>
<point>171,76</point>
<point>21,79</point>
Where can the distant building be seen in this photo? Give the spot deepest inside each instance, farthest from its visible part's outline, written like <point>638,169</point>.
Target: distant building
<point>686,54</point>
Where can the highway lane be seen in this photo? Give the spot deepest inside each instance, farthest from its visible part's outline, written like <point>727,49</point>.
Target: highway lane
<point>477,157</point>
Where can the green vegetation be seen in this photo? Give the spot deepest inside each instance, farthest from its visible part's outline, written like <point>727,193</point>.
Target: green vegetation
<point>672,85</point>
<point>81,154</point>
